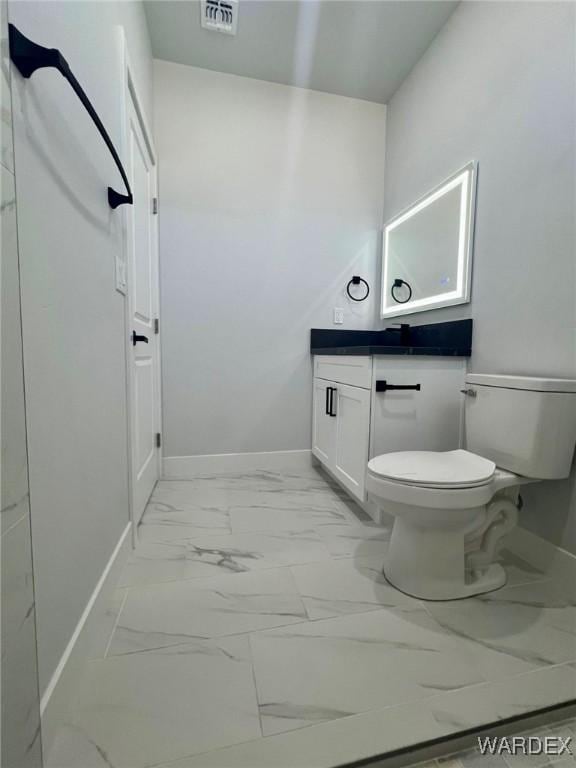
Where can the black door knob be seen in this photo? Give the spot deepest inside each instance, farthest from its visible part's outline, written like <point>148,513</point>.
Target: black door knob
<point>136,338</point>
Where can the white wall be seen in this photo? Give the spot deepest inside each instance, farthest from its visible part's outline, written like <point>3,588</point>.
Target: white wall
<point>20,701</point>
<point>73,319</point>
<point>270,200</point>
<point>497,86</point>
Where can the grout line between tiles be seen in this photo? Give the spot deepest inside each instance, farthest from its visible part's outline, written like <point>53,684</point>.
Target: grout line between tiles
<point>231,573</point>
<point>109,643</point>
<point>249,632</point>
<point>253,669</point>
<point>13,525</point>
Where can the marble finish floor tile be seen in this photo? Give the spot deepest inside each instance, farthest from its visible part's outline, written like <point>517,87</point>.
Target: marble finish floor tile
<point>513,630</point>
<point>361,540</point>
<point>204,556</point>
<point>16,576</point>
<point>295,499</point>
<point>347,740</point>
<point>272,515</point>
<point>102,637</point>
<point>14,499</point>
<point>298,496</point>
<point>263,480</point>
<point>255,604</point>
<point>183,494</point>
<point>519,571</point>
<point>328,745</point>
<point>163,521</point>
<point>162,615</point>
<point>21,746</point>
<point>334,668</point>
<point>510,696</point>
<point>145,708</point>
<point>72,748</point>
<point>346,585</point>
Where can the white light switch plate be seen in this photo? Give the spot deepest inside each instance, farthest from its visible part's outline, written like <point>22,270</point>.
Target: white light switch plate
<point>338,316</point>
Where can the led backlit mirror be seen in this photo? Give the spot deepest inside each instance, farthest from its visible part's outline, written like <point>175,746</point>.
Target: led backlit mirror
<point>427,249</point>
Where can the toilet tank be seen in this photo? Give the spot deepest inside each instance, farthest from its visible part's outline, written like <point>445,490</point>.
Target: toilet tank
<point>525,425</point>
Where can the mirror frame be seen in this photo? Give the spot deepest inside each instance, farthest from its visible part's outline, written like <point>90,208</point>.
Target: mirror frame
<point>466,178</point>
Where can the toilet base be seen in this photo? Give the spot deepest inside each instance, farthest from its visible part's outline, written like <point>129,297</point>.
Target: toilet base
<point>494,578</point>
<point>430,564</point>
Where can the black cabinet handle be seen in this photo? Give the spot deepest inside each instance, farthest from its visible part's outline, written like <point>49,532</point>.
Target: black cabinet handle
<point>327,405</point>
<point>136,338</point>
<point>383,386</point>
<point>332,390</point>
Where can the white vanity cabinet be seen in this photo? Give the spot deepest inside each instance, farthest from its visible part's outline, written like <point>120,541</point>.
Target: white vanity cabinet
<point>341,419</point>
<point>353,421</point>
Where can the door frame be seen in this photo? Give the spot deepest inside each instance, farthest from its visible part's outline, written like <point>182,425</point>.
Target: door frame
<point>129,95</point>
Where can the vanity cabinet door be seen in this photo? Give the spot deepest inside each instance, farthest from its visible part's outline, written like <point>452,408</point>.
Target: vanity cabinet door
<point>352,408</point>
<point>323,425</point>
<point>428,419</point>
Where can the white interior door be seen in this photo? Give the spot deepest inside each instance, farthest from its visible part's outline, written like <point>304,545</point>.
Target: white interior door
<point>143,356</point>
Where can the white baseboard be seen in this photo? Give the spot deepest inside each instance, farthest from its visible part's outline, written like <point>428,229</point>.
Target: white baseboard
<point>187,467</point>
<point>554,561</point>
<point>58,697</point>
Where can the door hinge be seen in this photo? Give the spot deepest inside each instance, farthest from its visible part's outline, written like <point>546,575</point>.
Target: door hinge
<point>156,325</point>
<point>154,205</point>
<point>158,440</point>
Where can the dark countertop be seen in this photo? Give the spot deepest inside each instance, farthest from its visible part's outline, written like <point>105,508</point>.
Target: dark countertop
<point>393,350</point>
<point>453,339</point>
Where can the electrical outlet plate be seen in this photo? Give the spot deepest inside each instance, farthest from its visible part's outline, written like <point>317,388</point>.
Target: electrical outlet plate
<point>338,316</point>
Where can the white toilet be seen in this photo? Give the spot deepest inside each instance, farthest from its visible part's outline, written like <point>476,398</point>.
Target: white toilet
<point>452,509</point>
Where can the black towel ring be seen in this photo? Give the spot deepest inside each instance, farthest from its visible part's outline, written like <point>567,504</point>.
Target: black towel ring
<point>356,280</point>
<point>398,283</point>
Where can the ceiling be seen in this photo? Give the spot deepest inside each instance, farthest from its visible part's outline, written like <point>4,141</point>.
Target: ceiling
<point>358,48</point>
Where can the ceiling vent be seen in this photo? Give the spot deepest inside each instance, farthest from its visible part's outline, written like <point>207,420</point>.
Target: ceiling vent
<point>220,15</point>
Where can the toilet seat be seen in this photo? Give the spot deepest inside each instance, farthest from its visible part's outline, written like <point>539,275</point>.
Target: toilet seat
<point>433,469</point>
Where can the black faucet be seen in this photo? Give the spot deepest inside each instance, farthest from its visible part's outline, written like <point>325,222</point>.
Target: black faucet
<point>404,330</point>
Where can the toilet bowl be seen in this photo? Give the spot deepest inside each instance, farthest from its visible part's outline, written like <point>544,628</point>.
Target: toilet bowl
<point>453,509</point>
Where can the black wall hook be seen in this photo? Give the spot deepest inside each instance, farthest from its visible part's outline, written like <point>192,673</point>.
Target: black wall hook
<point>27,57</point>
<point>356,280</point>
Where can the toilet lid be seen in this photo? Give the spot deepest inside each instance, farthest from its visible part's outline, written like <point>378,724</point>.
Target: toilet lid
<point>448,469</point>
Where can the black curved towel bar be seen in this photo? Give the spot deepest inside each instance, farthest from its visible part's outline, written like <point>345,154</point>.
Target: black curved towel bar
<point>28,57</point>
